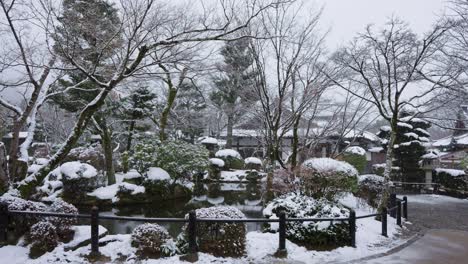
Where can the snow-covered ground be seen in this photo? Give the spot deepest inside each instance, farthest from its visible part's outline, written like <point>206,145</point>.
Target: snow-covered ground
<point>260,246</point>
<point>432,199</point>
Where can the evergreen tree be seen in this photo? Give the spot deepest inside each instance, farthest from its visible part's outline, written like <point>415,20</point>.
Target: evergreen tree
<point>460,127</point>
<point>409,145</point>
<point>188,112</point>
<point>138,105</point>
<point>85,30</point>
<point>235,82</point>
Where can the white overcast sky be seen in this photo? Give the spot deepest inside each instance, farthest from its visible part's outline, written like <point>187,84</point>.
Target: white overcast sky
<point>347,17</point>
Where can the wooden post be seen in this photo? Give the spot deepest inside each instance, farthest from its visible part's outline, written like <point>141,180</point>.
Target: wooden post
<point>405,207</point>
<point>398,213</point>
<point>352,227</point>
<point>392,204</point>
<point>384,221</point>
<point>94,231</point>
<point>192,232</point>
<point>282,231</point>
<point>3,223</point>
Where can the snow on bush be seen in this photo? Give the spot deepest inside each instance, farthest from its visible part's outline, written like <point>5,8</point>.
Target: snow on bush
<point>21,223</point>
<point>330,166</point>
<point>327,178</point>
<point>63,224</point>
<point>451,179</point>
<point>451,172</point>
<point>232,159</point>
<point>43,238</point>
<point>253,163</point>
<point>370,188</point>
<point>152,241</point>
<point>143,156</point>
<point>181,159</point>
<point>157,174</point>
<point>217,162</point>
<point>316,235</point>
<point>355,150</point>
<point>221,239</point>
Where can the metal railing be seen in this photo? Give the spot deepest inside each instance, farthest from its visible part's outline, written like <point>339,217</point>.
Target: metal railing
<point>398,209</point>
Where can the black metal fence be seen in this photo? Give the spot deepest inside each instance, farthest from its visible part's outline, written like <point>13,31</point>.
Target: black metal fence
<point>398,209</point>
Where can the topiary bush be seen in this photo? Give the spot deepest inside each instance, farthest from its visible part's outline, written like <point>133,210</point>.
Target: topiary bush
<point>43,238</point>
<point>220,239</point>
<point>252,163</point>
<point>216,165</point>
<point>143,156</point>
<point>232,159</point>
<point>370,187</point>
<point>356,156</point>
<point>313,235</point>
<point>327,178</point>
<point>63,225</point>
<point>152,241</point>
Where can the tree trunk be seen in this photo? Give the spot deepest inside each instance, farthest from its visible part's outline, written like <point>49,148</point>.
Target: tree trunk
<point>165,113</point>
<point>4,182</point>
<point>230,124</point>
<point>388,167</point>
<point>13,151</point>
<point>108,157</point>
<point>295,143</point>
<point>130,135</point>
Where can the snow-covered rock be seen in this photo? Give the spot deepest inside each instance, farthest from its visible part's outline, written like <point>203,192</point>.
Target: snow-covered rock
<point>76,169</point>
<point>217,162</point>
<point>253,160</point>
<point>209,140</point>
<point>157,174</point>
<point>223,153</point>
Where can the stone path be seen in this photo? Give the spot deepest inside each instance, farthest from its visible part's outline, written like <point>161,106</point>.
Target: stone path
<point>444,221</point>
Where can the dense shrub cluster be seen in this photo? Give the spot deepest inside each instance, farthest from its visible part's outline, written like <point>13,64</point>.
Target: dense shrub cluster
<point>313,235</point>
<point>232,159</point>
<point>451,179</point>
<point>356,156</point>
<point>152,241</point>
<point>370,188</point>
<point>220,239</point>
<point>63,225</point>
<point>43,238</point>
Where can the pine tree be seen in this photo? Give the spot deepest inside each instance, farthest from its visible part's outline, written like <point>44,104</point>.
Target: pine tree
<point>236,80</point>
<point>409,145</point>
<point>188,112</point>
<point>85,30</point>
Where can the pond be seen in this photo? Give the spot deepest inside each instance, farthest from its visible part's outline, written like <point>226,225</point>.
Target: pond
<point>247,197</point>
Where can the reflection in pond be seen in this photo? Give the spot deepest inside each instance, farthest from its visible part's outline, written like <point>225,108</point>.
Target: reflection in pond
<point>247,197</point>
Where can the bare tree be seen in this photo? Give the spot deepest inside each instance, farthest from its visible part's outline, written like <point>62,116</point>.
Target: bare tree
<point>147,25</point>
<point>289,73</point>
<point>381,67</point>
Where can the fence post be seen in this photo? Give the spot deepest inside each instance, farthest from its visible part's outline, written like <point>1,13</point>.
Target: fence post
<point>352,227</point>
<point>282,231</point>
<point>94,231</point>
<point>398,213</point>
<point>384,221</point>
<point>405,207</point>
<point>192,232</point>
<point>3,223</point>
<point>392,204</point>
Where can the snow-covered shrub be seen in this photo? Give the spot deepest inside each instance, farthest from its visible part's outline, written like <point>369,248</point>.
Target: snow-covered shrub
<point>313,235</point>
<point>143,156</point>
<point>232,159</point>
<point>21,223</point>
<point>216,165</point>
<point>78,179</point>
<point>326,178</point>
<point>356,156</point>
<point>43,238</point>
<point>63,225</point>
<point>128,193</point>
<point>181,159</point>
<point>252,163</point>
<point>152,241</point>
<point>379,169</point>
<point>370,187</point>
<point>221,239</point>
<point>451,179</point>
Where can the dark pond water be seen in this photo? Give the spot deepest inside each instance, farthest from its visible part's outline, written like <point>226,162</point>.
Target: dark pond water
<point>246,197</point>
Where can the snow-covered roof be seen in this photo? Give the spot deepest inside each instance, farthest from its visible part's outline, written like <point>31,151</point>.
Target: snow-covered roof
<point>444,142</point>
<point>353,134</point>
<point>355,150</point>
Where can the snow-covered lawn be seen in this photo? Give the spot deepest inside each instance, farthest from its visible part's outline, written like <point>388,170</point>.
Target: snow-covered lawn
<point>432,199</point>
<point>260,246</point>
